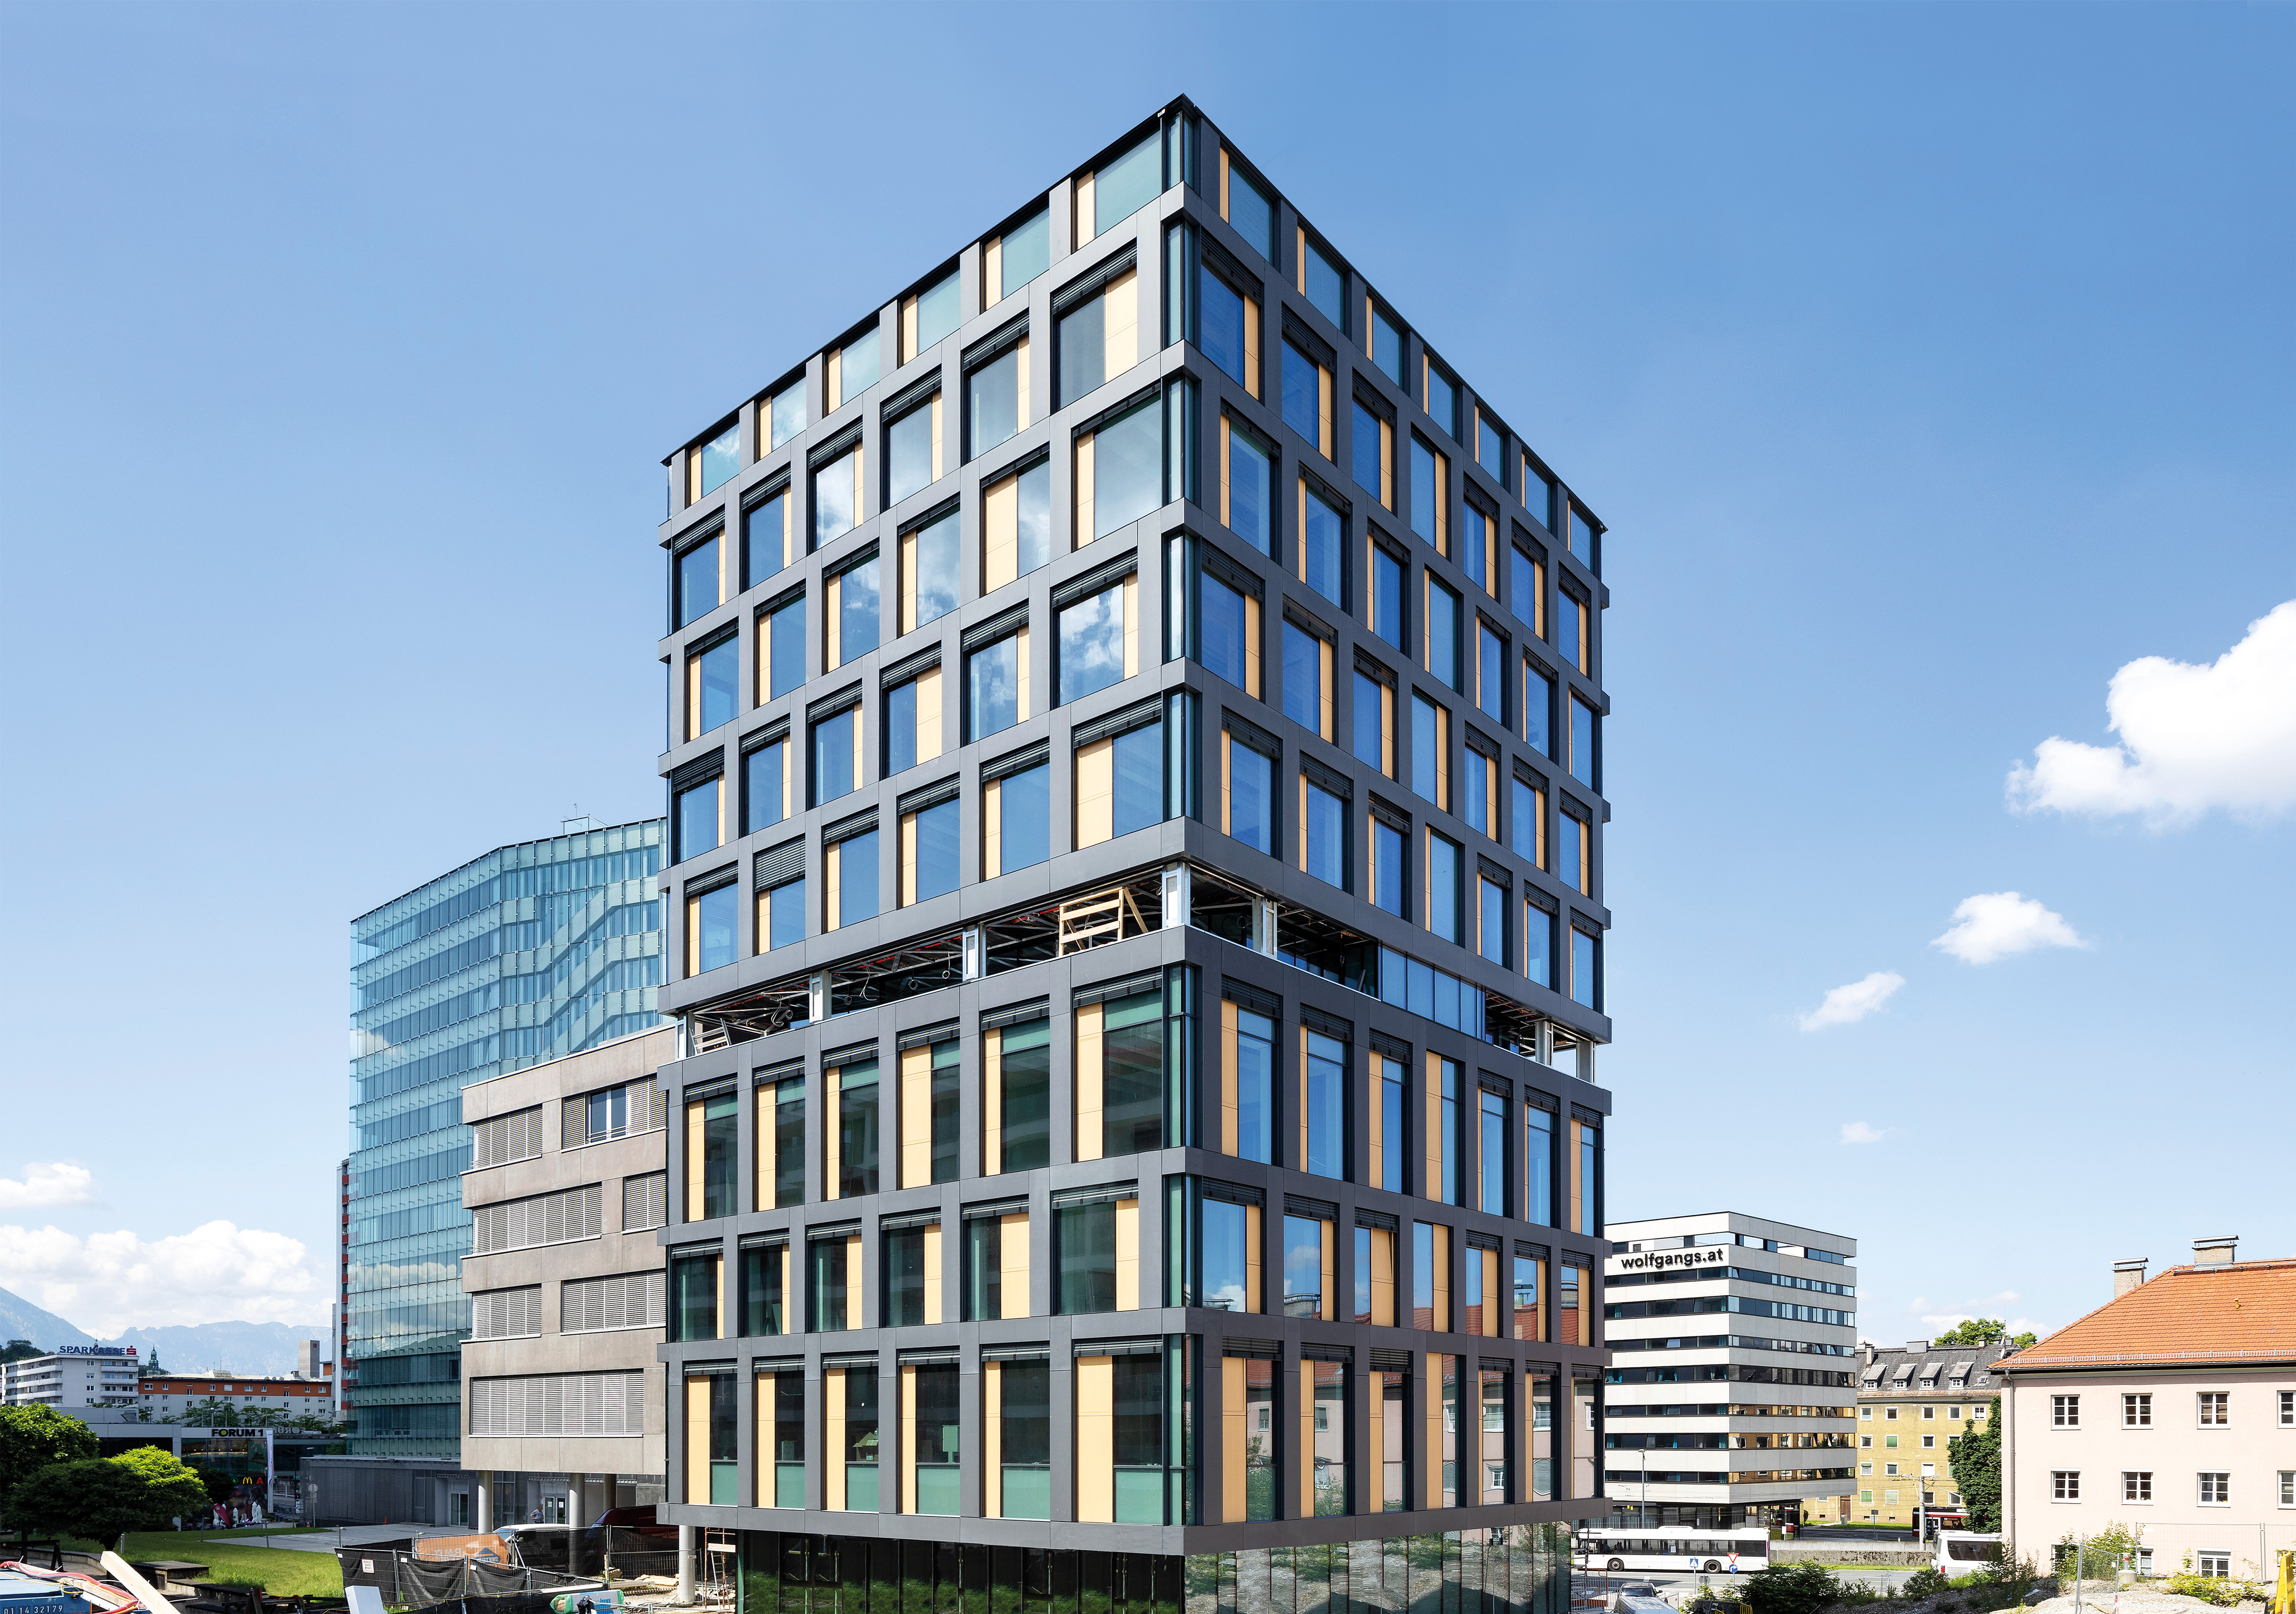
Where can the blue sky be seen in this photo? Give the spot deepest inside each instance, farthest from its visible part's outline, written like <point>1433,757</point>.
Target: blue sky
<point>1930,364</point>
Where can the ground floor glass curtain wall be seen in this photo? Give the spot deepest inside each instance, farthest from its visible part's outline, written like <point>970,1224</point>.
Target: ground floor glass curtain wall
<point>1523,1569</point>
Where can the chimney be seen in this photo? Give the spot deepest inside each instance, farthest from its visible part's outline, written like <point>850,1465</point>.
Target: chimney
<point>2214,1252</point>
<point>2126,1276</point>
<point>1914,1347</point>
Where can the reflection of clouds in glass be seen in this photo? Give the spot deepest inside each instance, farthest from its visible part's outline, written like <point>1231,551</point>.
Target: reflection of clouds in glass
<point>1092,643</point>
<point>936,558</point>
<point>1227,1297</point>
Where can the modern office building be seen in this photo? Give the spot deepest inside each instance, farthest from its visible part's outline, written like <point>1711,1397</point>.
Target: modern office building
<point>529,953</point>
<point>2171,1408</point>
<point>72,1376</point>
<point>1732,1397</point>
<point>1137,920</point>
<point>561,1374</point>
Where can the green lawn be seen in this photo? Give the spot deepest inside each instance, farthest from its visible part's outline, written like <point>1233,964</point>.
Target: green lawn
<point>282,1573</point>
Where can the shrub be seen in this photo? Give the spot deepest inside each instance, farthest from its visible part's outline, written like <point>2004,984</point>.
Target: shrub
<point>1792,1588</point>
<point>1924,1582</point>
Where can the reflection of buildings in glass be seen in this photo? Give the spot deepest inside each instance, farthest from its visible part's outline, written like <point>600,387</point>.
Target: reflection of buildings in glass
<point>1493,1438</point>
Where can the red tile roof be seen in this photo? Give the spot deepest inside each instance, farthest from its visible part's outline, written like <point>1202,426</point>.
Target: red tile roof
<point>2196,1315</point>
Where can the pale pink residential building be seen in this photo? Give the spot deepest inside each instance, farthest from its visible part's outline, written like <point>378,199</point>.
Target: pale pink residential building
<point>2171,1408</point>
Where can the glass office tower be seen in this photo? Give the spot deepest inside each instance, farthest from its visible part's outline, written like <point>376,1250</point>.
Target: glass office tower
<point>529,953</point>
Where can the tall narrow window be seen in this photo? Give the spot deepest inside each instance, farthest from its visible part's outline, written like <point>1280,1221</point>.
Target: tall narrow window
<point>850,615</point>
<point>1444,1098</point>
<point>1537,940</point>
<point>1527,806</point>
<point>1016,525</point>
<point>1574,631</point>
<point>1391,1420</point>
<point>929,1438</point>
<point>1011,260</point>
<point>996,1266</point>
<point>837,756</point>
<point>1430,495</point>
<point>711,917</point>
<point>1386,573</point>
<point>1321,281</point>
<point>1309,1281</point>
<point>781,1397</point>
<point>1227,322</point>
<point>1016,820</point>
<point>765,786</point>
<point>1492,1142</point>
<point>912,1269</point>
<point>1494,1467</point>
<point>1248,760</point>
<point>1244,203</point>
<point>782,914</point>
<point>1490,671</point>
<point>697,1294</point>
<point>1371,455</point>
<point>1582,537</point>
<point>1526,589</point>
<point>853,369</point>
<point>929,316</point>
<point>1583,733</point>
<point>1584,956</point>
<point>1098,339</point>
<point>837,497</point>
<point>1247,1076</point>
<point>913,722</point>
<point>1374,1283</point>
<point>1120,784</point>
<point>1484,1303</point>
<point>1323,1105</point>
<point>1529,1297</point>
<point>1119,472</point>
<point>1322,545</point>
<point>930,1077</point>
<point>850,1141</point>
<point>1249,1440</point>
<point>1307,679</point>
<point>1585,1151</point>
<point>1323,823</point>
<point>1247,488</point>
<point>1539,1166</point>
<point>1375,721</point>
<point>1388,1144</point>
<point>701,817</point>
<point>782,666</point>
<point>849,1429</point>
<point>701,584</point>
<point>1490,919</point>
<point>1431,1277</point>
<point>1537,494</point>
<point>1096,1255</point>
<point>929,851</point>
<point>1478,777</point>
<point>849,884</point>
<point>1490,445</point>
<point>835,1283</point>
<point>1444,863</point>
<point>929,572</point>
<point>1430,751</point>
<point>1016,1407</point>
<point>996,684</point>
<point>1574,1325</point>
<point>1308,398</point>
<point>1576,861</point>
<point>913,451</point>
<point>1542,1444</point>
<point>780,1144</point>
<point>713,681</point>
<point>1099,641</point>
<point>1119,1075</point>
<point>712,1126</point>
<point>1016,1100</point>
<point>769,542</point>
<point>1383,340</point>
<point>1390,878</point>
<point>712,464</point>
<point>1227,636</point>
<point>1538,708</point>
<point>1438,394</point>
<point>996,395</point>
<point>712,1436</point>
<point>1443,632</point>
<point>1479,547</point>
<point>788,413</point>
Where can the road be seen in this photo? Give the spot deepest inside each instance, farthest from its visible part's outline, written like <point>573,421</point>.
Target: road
<point>1592,1585</point>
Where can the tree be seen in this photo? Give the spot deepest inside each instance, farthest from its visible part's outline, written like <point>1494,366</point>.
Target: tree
<point>105,1497</point>
<point>1976,1459</point>
<point>31,1438</point>
<point>2025,1341</point>
<point>1981,1331</point>
<point>21,1350</point>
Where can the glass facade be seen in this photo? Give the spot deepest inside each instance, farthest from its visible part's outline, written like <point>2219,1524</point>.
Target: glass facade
<point>528,954</point>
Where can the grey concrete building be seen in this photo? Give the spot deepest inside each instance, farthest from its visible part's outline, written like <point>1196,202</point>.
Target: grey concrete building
<point>1733,1389</point>
<point>1134,925</point>
<point>562,1390</point>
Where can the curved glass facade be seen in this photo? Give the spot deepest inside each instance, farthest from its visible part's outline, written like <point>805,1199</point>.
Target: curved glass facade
<point>528,954</point>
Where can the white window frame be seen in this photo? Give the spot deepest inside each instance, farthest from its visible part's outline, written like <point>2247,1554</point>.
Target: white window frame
<point>2288,1409</point>
<point>2223,1487</point>
<point>2064,1412</point>
<point>2216,1401</point>
<point>1929,1414</point>
<point>2065,1485</point>
<point>2215,1566</point>
<point>2132,1481</point>
<point>2288,1487</point>
<point>2135,1411</point>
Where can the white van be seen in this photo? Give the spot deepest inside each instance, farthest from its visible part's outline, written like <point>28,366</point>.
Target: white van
<point>1961,1552</point>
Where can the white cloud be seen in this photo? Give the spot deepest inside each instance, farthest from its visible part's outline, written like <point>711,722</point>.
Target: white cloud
<point>2192,738</point>
<point>110,1282</point>
<point>1847,1005</point>
<point>48,1183</point>
<point>1859,1132</point>
<point>1995,924</point>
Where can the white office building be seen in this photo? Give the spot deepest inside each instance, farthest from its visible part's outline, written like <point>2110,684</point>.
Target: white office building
<point>73,1376</point>
<point>1732,1393</point>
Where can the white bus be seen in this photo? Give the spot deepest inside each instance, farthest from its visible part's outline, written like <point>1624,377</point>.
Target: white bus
<point>1681,1550</point>
<point>1960,1552</point>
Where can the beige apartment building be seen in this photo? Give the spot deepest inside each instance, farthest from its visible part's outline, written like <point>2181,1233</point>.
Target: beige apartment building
<point>1912,1405</point>
<point>567,1184</point>
<point>2171,1408</point>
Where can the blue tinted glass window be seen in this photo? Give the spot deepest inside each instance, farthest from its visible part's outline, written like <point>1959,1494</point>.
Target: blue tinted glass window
<point>1323,547</point>
<point>1324,1084</point>
<point>1424,490</point>
<point>1490,671</point>
<point>1387,596</point>
<point>857,878</point>
<point>1326,832</point>
<point>1025,802</point>
<point>1538,496</point>
<point>1082,337</point>
<point>1226,1268</point>
<point>936,858</point>
<point>1582,538</point>
<point>993,674</point>
<point>1476,770</point>
<point>1371,722</point>
<point>1250,214</point>
<point>1128,467</point>
<point>1426,747</point>
<point>1522,806</point>
<point>1364,454</point>
<point>1222,643</point>
<point>937,311</point>
<point>1386,344</point>
<point>1569,848</point>
<point>934,556</point>
<point>1128,185</point>
<point>1539,709</point>
<point>720,683</point>
<point>994,392</point>
<point>1475,547</point>
<point>1443,887</point>
<point>1303,677</point>
<point>786,904</point>
<point>832,758</point>
<point>786,628</point>
<point>715,915</point>
<point>1493,922</point>
<point>1139,777</point>
<point>697,819</point>
<point>1026,252</point>
<point>901,727</point>
<point>697,582</point>
<point>1303,395</point>
<point>1251,796</point>
<point>1255,1097</point>
<point>1522,587</point>
<point>1582,742</point>
<point>764,773</point>
<point>909,455</point>
<point>1219,323</point>
<point>1326,286</point>
<point>857,603</point>
<point>1303,1267</point>
<point>721,457</point>
<point>1443,633</point>
<point>1388,876</point>
<point>1493,1173</point>
<point>1583,983</point>
<point>836,498</point>
<point>1442,400</point>
<point>1538,944</point>
<point>1250,494</point>
<point>1092,644</point>
<point>857,366</point>
<point>1490,451</point>
<point>767,539</point>
<point>789,414</point>
<point>1566,630</point>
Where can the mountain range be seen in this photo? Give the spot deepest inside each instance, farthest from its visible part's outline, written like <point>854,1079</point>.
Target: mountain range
<point>236,1348</point>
